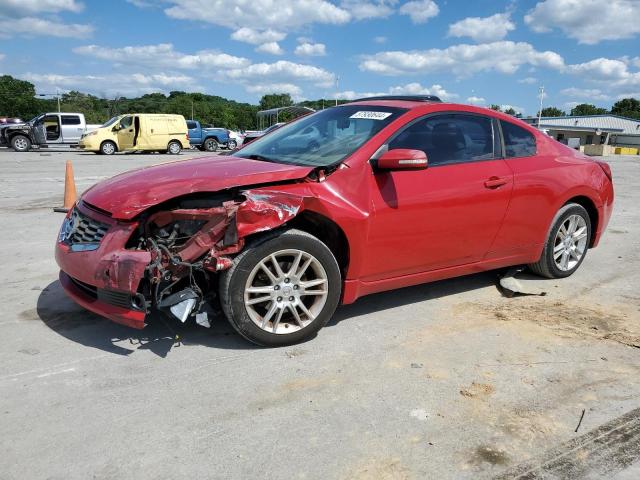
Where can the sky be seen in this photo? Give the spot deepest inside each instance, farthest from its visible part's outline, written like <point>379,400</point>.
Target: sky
<point>466,51</point>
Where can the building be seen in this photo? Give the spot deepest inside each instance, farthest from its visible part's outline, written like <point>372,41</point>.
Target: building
<point>578,131</point>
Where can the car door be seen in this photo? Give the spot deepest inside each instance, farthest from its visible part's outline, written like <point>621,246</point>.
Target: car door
<point>39,131</point>
<point>52,128</point>
<point>71,127</point>
<point>126,133</point>
<point>195,133</point>
<point>447,214</point>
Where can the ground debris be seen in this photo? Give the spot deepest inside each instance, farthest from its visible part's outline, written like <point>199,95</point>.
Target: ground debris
<point>477,390</point>
<point>565,318</point>
<point>514,283</point>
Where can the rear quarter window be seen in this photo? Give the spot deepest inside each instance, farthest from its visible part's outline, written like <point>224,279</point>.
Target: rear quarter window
<point>518,142</point>
<point>70,120</point>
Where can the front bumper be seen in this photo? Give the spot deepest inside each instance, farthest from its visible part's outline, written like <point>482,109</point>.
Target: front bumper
<point>105,278</point>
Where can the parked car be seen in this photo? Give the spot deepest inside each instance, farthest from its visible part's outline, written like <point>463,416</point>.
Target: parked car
<point>48,129</point>
<point>401,191</point>
<point>10,120</point>
<point>238,139</point>
<point>138,132</point>
<point>209,139</point>
<point>253,135</point>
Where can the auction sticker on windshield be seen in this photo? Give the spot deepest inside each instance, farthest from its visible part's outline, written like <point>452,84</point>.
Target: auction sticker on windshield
<point>371,115</point>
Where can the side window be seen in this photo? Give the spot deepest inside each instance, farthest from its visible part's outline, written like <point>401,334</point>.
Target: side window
<point>449,138</point>
<point>191,125</point>
<point>126,122</point>
<point>70,120</point>
<point>517,141</point>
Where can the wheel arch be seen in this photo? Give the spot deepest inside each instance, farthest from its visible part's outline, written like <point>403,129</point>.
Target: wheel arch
<point>327,231</point>
<point>115,144</point>
<point>589,205</point>
<point>175,140</point>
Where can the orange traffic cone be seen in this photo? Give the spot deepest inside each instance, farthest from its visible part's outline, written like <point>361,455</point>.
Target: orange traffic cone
<point>70,194</point>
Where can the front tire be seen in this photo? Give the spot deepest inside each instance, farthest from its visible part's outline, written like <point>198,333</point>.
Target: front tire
<point>108,148</point>
<point>174,147</point>
<point>281,289</point>
<point>232,144</point>
<point>567,243</point>
<point>210,145</point>
<point>20,143</point>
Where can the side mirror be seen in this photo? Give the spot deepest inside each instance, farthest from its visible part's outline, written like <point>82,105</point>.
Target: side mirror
<point>402,159</point>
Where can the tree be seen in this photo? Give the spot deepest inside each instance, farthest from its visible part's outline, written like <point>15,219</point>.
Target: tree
<point>495,107</point>
<point>587,109</point>
<point>275,100</point>
<point>510,111</point>
<point>18,98</point>
<point>627,107</point>
<point>552,112</point>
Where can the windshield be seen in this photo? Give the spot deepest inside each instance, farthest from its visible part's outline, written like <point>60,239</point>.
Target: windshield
<point>324,138</point>
<point>110,122</point>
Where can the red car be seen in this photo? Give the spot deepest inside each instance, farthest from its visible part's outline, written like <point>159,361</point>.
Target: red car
<point>397,191</point>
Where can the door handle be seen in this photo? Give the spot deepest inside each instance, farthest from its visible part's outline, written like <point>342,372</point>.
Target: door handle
<point>495,182</point>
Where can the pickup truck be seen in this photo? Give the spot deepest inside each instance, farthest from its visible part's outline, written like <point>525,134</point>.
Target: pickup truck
<point>209,139</point>
<point>45,130</point>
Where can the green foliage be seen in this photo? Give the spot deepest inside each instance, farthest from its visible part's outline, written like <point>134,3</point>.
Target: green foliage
<point>627,107</point>
<point>275,100</point>
<point>587,109</point>
<point>552,112</point>
<point>495,107</point>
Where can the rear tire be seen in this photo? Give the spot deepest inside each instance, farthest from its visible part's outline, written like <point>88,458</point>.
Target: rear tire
<point>210,145</point>
<point>567,243</point>
<point>232,144</point>
<point>174,147</point>
<point>108,148</point>
<point>20,143</point>
<point>301,299</point>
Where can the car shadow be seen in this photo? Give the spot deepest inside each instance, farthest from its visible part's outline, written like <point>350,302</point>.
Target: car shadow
<point>163,334</point>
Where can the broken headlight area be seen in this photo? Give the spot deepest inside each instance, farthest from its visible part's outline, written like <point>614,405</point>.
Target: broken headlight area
<point>190,245</point>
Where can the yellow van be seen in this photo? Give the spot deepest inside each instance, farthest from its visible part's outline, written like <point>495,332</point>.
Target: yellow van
<point>138,131</point>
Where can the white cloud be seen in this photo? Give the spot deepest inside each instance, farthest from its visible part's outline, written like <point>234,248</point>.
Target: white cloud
<point>408,89</point>
<point>281,15</point>
<point>483,30</point>
<point>476,100</point>
<point>635,62</point>
<point>266,88</point>
<point>462,60</point>
<point>28,7</point>
<point>601,69</point>
<point>110,85</point>
<point>506,107</point>
<point>281,71</point>
<point>528,80</point>
<point>162,55</point>
<point>591,94</point>
<point>270,47</point>
<point>307,49</point>
<point>613,75</point>
<point>420,11</point>
<point>32,27</point>
<point>380,39</point>
<point>249,35</point>
<point>588,21</point>
<point>361,10</point>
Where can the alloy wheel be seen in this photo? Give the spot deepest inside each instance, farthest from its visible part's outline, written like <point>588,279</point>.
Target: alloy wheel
<point>286,291</point>
<point>570,243</point>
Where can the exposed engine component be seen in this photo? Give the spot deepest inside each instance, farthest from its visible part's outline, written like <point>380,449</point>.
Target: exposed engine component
<point>189,244</point>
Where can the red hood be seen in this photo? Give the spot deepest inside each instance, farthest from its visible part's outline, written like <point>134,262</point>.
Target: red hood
<point>128,194</point>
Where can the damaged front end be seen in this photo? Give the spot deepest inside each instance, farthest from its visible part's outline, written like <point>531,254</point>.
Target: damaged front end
<point>168,258</point>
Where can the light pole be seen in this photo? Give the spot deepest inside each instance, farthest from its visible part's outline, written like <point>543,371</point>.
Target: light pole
<point>337,89</point>
<point>541,98</point>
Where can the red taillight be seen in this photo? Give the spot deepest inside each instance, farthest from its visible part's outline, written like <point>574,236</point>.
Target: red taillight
<point>605,168</point>
<point>187,135</point>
